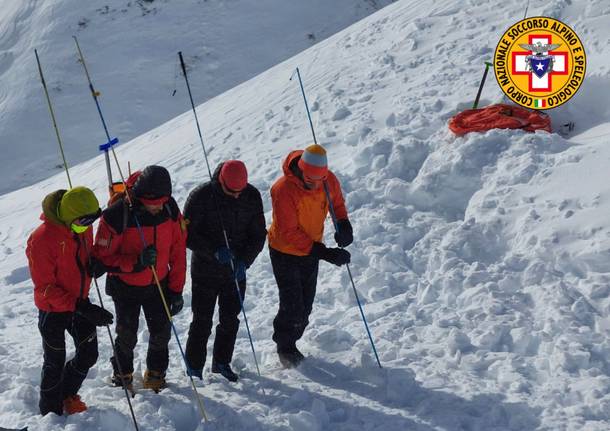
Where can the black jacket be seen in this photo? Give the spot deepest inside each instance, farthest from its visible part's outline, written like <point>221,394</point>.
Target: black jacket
<point>243,220</point>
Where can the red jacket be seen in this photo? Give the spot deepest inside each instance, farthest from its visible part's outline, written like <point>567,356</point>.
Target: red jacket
<point>118,243</point>
<point>298,213</point>
<point>57,258</point>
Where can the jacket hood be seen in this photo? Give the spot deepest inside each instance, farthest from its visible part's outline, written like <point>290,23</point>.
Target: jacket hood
<point>291,159</point>
<point>216,174</point>
<point>50,206</point>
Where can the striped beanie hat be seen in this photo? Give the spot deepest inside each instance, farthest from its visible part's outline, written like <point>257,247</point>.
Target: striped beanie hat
<point>313,162</point>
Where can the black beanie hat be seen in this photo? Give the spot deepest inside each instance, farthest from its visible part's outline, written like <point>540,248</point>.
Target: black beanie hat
<point>153,182</point>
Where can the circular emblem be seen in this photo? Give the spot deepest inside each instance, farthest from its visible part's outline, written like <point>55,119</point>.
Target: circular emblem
<point>540,63</point>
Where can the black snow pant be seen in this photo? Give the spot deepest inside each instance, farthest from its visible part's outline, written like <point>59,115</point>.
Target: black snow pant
<point>205,294</point>
<point>60,379</point>
<point>128,300</point>
<point>296,278</point>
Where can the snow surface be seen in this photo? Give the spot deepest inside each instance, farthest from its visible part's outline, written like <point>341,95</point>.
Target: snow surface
<point>130,47</point>
<point>481,261</point>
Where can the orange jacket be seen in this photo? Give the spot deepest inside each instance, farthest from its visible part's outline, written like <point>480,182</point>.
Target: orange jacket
<point>298,213</point>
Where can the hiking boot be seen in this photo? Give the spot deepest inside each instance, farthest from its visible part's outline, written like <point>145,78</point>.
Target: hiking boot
<point>194,373</point>
<point>290,357</point>
<point>47,406</point>
<point>74,405</point>
<point>154,380</point>
<point>225,370</point>
<point>117,379</point>
<point>118,382</point>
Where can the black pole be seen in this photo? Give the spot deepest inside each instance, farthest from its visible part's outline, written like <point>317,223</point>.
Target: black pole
<point>476,101</point>
<point>224,231</point>
<point>116,356</point>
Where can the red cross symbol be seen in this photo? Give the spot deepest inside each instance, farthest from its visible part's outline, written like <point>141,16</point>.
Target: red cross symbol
<point>519,66</point>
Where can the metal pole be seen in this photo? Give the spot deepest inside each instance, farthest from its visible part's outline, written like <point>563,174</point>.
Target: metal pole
<point>334,219</point>
<point>95,95</point>
<point>313,132</point>
<point>135,422</point>
<point>349,272</point>
<point>114,351</point>
<point>158,283</point>
<point>139,228</point>
<point>476,100</point>
<point>224,231</point>
<point>46,92</point>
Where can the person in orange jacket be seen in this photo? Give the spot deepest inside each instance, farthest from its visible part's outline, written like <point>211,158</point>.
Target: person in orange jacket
<point>129,241</point>
<point>300,207</point>
<point>59,261</point>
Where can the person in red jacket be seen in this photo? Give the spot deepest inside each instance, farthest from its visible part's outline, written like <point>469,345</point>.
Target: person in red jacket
<point>300,207</point>
<point>130,240</point>
<point>58,257</point>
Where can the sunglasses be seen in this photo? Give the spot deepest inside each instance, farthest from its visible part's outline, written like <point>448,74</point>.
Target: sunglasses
<point>81,224</point>
<point>88,219</point>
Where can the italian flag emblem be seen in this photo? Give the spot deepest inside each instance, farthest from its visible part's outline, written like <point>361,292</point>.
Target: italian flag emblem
<point>539,103</point>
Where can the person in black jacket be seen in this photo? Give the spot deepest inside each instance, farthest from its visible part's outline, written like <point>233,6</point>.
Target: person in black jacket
<point>228,204</point>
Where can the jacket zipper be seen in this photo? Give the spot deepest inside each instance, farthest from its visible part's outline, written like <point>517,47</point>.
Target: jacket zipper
<point>80,266</point>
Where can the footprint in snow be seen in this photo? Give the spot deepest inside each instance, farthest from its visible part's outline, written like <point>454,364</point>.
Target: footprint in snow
<point>341,114</point>
<point>18,275</point>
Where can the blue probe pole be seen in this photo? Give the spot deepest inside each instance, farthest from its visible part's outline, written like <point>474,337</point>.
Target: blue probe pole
<point>224,231</point>
<point>334,218</point>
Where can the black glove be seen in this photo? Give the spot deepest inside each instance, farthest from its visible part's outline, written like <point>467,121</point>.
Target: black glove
<point>148,257</point>
<point>93,313</point>
<point>96,268</point>
<point>336,256</point>
<point>174,302</point>
<point>345,234</point>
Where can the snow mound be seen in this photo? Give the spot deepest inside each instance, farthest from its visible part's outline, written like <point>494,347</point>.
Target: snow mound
<point>480,261</point>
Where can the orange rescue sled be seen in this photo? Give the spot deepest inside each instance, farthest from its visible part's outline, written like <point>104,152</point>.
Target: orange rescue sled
<point>499,116</point>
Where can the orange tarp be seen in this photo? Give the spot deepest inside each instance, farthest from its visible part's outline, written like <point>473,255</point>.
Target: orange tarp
<point>499,116</point>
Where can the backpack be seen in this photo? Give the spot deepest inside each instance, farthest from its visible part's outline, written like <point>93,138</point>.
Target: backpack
<point>119,189</point>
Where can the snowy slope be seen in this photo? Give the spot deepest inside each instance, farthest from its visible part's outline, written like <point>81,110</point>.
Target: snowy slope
<point>130,47</point>
<point>481,260</point>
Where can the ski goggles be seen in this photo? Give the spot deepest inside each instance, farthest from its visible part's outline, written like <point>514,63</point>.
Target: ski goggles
<point>154,201</point>
<point>81,224</point>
